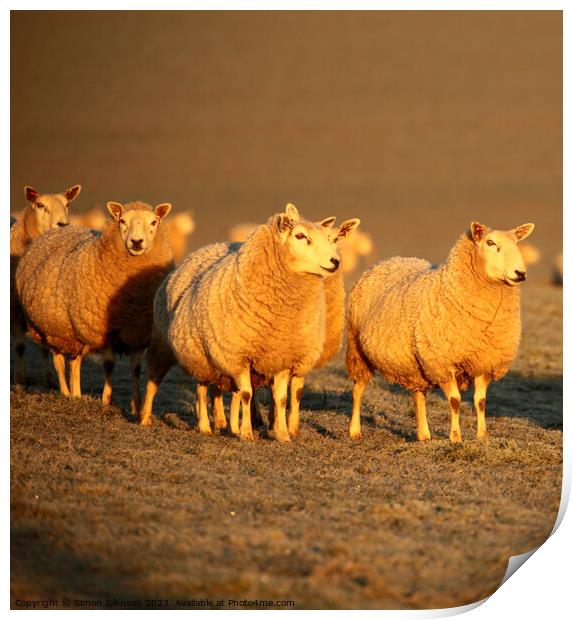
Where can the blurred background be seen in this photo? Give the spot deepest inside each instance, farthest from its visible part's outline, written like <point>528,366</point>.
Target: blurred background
<point>416,122</point>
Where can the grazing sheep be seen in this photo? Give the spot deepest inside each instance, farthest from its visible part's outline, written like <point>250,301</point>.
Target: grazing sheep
<point>423,326</point>
<point>353,248</point>
<point>85,292</point>
<point>44,212</point>
<point>229,313</point>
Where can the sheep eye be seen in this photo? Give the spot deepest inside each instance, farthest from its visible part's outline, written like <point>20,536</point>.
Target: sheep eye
<point>490,242</point>
<point>154,222</point>
<point>39,205</point>
<point>300,236</point>
<point>122,221</point>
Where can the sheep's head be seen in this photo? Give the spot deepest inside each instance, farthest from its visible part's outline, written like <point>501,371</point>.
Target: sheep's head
<point>308,247</point>
<point>138,226</point>
<point>502,261</point>
<point>51,210</point>
<point>339,236</point>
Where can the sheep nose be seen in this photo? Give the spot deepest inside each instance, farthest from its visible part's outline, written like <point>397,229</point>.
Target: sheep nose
<point>62,224</point>
<point>335,262</point>
<point>520,275</point>
<point>136,244</point>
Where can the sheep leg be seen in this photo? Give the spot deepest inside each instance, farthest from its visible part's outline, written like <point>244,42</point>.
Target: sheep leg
<point>422,430</point>
<point>280,391</point>
<point>296,385</point>
<point>256,410</point>
<point>218,409</point>
<point>272,417</point>
<point>357,392</point>
<point>60,366</point>
<point>75,375</point>
<point>234,414</point>
<point>203,423</point>
<point>360,371</point>
<point>480,385</point>
<point>108,366</point>
<point>159,360</point>
<point>47,370</point>
<point>246,391</point>
<point>135,368</point>
<point>452,393</point>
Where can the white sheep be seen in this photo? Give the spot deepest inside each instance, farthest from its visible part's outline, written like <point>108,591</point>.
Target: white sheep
<point>422,326</point>
<point>44,212</point>
<point>256,310</point>
<point>335,295</point>
<point>86,292</point>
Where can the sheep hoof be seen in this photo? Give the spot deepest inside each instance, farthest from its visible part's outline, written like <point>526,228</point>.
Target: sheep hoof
<point>455,437</point>
<point>247,435</point>
<point>220,426</point>
<point>282,436</point>
<point>205,430</point>
<point>293,431</point>
<point>134,408</point>
<point>482,436</point>
<point>145,421</point>
<point>355,435</point>
<point>424,437</point>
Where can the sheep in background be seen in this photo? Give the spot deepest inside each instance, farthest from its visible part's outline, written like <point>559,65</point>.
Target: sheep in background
<point>530,252</point>
<point>44,212</point>
<point>94,219</point>
<point>86,292</point>
<point>181,227</point>
<point>240,232</point>
<point>257,310</point>
<point>557,271</point>
<point>422,326</point>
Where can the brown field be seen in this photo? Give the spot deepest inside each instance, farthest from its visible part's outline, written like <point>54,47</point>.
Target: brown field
<point>416,122</point>
<point>102,508</point>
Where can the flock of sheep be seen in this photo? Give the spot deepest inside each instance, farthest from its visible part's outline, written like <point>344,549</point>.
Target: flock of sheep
<point>263,309</point>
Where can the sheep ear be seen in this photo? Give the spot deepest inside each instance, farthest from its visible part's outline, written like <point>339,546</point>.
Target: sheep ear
<point>73,192</point>
<point>116,209</point>
<point>347,227</point>
<point>328,222</point>
<point>284,226</point>
<point>31,194</point>
<point>162,210</point>
<point>292,212</point>
<point>478,231</point>
<point>523,231</point>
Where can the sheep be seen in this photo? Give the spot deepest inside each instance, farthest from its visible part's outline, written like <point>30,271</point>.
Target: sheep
<point>423,326</point>
<point>230,313</point>
<point>531,253</point>
<point>94,219</point>
<point>85,292</point>
<point>180,227</point>
<point>335,295</point>
<point>44,212</point>
<point>557,270</point>
<point>351,249</point>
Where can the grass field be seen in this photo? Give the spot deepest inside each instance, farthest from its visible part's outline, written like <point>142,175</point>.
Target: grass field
<point>102,508</point>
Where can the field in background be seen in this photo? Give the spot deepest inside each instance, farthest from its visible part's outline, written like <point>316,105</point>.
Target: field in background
<point>416,122</point>
<point>102,508</point>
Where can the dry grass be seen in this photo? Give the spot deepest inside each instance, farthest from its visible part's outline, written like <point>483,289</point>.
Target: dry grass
<point>103,508</point>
